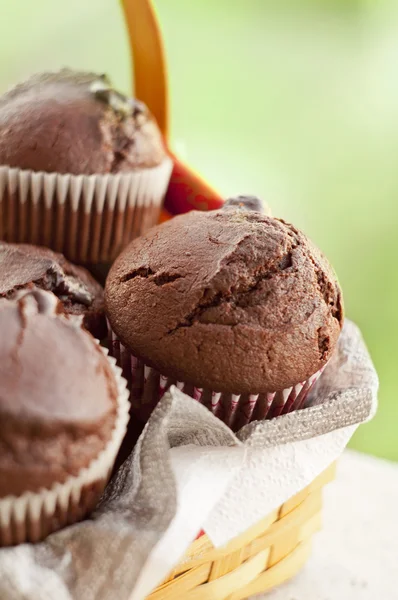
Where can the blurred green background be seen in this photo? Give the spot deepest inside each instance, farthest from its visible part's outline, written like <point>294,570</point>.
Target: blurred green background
<point>296,102</point>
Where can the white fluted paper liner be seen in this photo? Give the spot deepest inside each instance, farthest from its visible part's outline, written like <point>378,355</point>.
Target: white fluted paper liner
<point>89,218</point>
<point>147,386</point>
<point>33,515</point>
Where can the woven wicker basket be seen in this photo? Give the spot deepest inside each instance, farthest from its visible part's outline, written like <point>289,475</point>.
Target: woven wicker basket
<point>277,547</point>
<point>263,557</point>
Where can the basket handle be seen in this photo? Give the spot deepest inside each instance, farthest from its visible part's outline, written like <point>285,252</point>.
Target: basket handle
<point>147,51</point>
<point>187,189</point>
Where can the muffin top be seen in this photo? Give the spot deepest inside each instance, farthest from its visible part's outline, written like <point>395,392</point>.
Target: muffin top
<point>22,265</point>
<point>74,122</point>
<point>229,300</point>
<point>58,398</point>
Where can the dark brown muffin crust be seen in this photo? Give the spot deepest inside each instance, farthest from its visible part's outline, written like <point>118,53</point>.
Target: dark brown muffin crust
<point>22,265</point>
<point>58,397</point>
<point>229,300</point>
<point>74,122</point>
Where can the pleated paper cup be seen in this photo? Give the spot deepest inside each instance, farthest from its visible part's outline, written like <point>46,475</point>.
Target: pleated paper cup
<point>147,386</point>
<point>89,218</point>
<point>34,515</point>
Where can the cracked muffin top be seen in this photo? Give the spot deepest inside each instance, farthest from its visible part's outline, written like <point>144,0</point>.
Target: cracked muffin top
<point>75,122</point>
<point>23,265</point>
<point>229,300</point>
<point>58,399</point>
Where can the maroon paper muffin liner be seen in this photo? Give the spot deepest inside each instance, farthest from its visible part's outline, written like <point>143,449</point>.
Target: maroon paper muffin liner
<point>147,387</point>
<point>89,218</point>
<point>32,516</point>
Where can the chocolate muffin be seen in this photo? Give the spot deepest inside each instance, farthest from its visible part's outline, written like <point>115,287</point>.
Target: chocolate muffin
<point>63,416</point>
<point>23,265</point>
<point>75,124</point>
<point>237,307</point>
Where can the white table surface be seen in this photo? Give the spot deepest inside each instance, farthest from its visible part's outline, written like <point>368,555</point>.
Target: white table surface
<point>355,557</point>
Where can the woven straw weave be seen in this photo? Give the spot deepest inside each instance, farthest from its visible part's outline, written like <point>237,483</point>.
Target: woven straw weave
<point>264,556</point>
